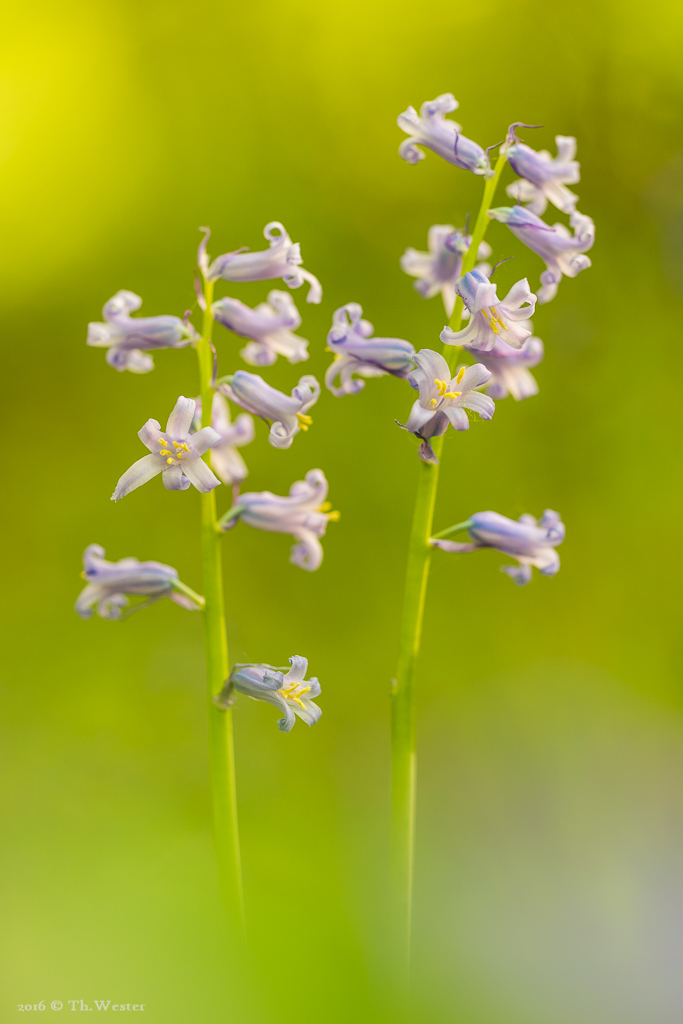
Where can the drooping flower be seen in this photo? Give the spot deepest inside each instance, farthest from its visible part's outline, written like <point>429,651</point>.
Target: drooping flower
<point>176,454</point>
<point>562,252</point>
<point>288,414</point>
<point>531,542</point>
<point>357,352</point>
<point>543,177</point>
<point>110,583</point>
<point>442,400</point>
<point>440,268</point>
<point>510,369</point>
<point>441,135</point>
<point>491,318</point>
<point>269,326</point>
<point>288,690</point>
<point>127,339</point>
<point>303,514</point>
<point>225,460</point>
<point>281,259</point>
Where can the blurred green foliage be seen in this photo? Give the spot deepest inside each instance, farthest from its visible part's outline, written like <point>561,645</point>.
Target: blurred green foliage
<point>549,861</point>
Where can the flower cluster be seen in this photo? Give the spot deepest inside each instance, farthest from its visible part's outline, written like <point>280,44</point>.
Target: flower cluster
<point>287,689</point>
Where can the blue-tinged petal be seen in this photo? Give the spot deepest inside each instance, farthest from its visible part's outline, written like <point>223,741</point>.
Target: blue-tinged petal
<point>139,473</point>
<point>174,479</point>
<point>180,420</point>
<point>200,475</point>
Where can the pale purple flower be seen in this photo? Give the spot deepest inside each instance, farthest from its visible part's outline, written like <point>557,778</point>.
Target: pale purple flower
<point>440,268</point>
<point>357,352</point>
<point>441,135</point>
<point>529,541</point>
<point>110,583</point>
<point>562,252</point>
<point>127,339</point>
<point>491,318</point>
<point>176,454</point>
<point>510,369</point>
<point>287,689</point>
<point>543,177</point>
<point>287,414</point>
<point>442,400</point>
<point>225,460</point>
<point>269,326</point>
<point>303,514</point>
<point>282,259</point>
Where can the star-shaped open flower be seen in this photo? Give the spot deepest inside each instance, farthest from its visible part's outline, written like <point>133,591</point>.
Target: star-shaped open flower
<point>110,584</point>
<point>444,400</point>
<point>128,339</point>
<point>225,460</point>
<point>562,252</point>
<point>543,177</point>
<point>356,352</point>
<point>304,514</point>
<point>282,259</point>
<point>529,541</point>
<point>269,326</point>
<point>439,269</point>
<point>492,318</point>
<point>443,136</point>
<point>287,690</point>
<point>287,414</point>
<point>176,454</point>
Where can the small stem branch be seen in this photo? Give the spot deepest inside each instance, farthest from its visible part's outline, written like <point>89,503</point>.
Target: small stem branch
<point>222,754</point>
<point>452,529</point>
<point>403,755</point>
<point>183,588</point>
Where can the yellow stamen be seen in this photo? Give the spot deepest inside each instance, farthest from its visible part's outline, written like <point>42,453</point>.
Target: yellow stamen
<point>162,440</point>
<point>442,385</point>
<point>325,507</point>
<point>433,402</point>
<point>170,462</point>
<point>177,444</point>
<point>334,517</point>
<point>461,374</point>
<point>304,421</point>
<point>294,693</point>
<point>186,447</point>
<point>453,394</point>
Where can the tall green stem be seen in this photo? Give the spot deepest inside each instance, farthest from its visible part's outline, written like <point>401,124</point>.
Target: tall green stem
<point>402,703</point>
<point>221,742</point>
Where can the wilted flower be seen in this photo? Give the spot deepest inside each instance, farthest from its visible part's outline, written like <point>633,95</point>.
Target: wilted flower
<point>127,339</point>
<point>562,253</point>
<point>510,369</point>
<point>544,178</point>
<point>269,326</point>
<point>440,403</point>
<point>109,583</point>
<point>529,541</point>
<point>291,693</point>
<point>282,259</point>
<point>491,318</point>
<point>288,414</point>
<point>176,454</point>
<point>304,515</point>
<point>226,461</point>
<point>440,268</point>
<point>440,135</point>
<point>357,352</point>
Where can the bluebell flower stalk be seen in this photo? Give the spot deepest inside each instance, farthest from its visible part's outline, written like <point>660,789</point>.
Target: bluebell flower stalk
<point>287,689</point>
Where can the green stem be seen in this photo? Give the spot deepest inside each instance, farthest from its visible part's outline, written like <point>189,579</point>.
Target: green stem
<point>222,754</point>
<point>452,529</point>
<point>183,588</point>
<point>403,755</point>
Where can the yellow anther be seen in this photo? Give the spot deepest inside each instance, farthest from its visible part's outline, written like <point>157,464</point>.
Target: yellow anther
<point>177,444</point>
<point>334,517</point>
<point>461,374</point>
<point>433,402</point>
<point>325,507</point>
<point>304,421</point>
<point>294,693</point>
<point>162,440</point>
<point>170,462</point>
<point>186,447</point>
<point>442,386</point>
<point>453,394</point>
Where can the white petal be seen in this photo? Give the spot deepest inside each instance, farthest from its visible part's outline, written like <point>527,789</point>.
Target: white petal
<point>139,473</point>
<point>180,420</point>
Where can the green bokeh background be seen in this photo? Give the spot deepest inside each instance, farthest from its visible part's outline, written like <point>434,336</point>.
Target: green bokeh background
<point>549,884</point>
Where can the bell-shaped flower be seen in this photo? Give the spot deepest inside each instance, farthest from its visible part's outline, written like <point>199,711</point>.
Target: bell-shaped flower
<point>176,454</point>
<point>225,460</point>
<point>562,252</point>
<point>288,690</point>
<point>439,269</point>
<point>128,339</point>
<point>269,326</point>
<point>529,541</point>
<point>303,514</point>
<point>109,584</point>
<point>441,135</point>
<point>357,352</point>
<point>543,177</point>
<point>442,400</point>
<point>510,369</point>
<point>281,259</point>
<point>492,318</point>
<point>287,414</point>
